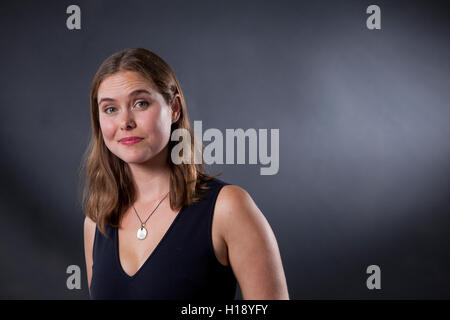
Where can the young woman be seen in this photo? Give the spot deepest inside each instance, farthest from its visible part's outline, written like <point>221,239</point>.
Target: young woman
<point>155,229</point>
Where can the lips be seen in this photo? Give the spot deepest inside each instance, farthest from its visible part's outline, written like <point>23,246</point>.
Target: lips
<point>130,140</point>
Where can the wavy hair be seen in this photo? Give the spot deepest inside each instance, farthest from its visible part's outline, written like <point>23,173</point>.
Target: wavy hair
<point>108,190</point>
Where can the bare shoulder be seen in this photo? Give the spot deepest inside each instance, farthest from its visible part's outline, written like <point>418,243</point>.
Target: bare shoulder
<point>232,195</point>
<point>236,210</point>
<point>252,246</point>
<point>89,226</point>
<point>89,236</point>
<point>230,198</point>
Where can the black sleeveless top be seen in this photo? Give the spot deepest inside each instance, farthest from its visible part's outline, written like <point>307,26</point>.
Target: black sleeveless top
<point>183,265</point>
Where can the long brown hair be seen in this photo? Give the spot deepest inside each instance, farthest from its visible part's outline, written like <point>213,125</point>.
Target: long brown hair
<point>108,187</point>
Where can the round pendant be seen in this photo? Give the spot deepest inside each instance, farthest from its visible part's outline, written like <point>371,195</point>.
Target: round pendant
<point>141,233</point>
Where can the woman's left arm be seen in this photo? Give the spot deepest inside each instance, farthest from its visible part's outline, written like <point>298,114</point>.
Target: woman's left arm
<point>252,247</point>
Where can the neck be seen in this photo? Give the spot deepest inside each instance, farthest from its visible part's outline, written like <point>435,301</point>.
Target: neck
<point>151,179</point>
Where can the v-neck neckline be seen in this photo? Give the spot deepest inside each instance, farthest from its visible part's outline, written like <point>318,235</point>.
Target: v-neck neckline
<point>154,251</point>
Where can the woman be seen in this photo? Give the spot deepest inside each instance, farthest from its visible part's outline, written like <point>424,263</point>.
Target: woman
<point>154,229</point>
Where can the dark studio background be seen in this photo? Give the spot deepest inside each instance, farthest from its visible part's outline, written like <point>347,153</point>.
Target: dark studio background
<point>364,131</point>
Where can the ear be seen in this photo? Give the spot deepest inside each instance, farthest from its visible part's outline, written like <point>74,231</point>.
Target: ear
<point>176,108</point>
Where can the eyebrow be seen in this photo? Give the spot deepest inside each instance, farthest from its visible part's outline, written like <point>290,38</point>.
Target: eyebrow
<point>133,93</point>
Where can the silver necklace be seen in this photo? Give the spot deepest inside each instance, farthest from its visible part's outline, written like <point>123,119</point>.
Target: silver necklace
<point>142,232</point>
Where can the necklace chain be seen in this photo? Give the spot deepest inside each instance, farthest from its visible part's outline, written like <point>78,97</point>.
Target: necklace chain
<point>143,223</point>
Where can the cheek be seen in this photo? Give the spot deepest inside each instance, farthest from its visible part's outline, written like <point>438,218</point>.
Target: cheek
<point>159,122</point>
<point>108,128</point>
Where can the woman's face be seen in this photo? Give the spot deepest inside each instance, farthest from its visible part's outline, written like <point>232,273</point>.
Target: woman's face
<point>130,106</point>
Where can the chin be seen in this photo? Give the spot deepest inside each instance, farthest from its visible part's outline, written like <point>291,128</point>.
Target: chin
<point>134,159</point>
<point>129,157</point>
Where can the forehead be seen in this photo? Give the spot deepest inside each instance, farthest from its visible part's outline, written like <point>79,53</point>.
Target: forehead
<point>122,83</point>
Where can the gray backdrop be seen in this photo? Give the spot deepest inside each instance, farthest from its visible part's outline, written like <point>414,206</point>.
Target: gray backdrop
<point>363,118</point>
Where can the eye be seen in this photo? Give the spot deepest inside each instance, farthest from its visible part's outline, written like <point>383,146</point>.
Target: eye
<point>142,104</point>
<point>108,108</point>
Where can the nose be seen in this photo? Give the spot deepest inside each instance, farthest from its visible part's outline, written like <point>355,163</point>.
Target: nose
<point>126,121</point>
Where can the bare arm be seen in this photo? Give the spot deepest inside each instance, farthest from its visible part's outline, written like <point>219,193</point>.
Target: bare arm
<point>252,247</point>
<point>89,234</point>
